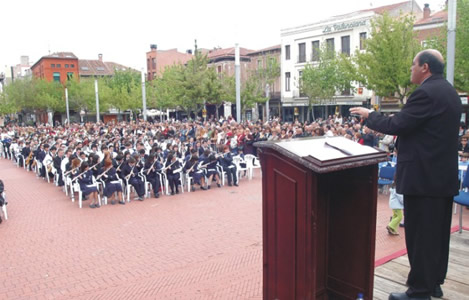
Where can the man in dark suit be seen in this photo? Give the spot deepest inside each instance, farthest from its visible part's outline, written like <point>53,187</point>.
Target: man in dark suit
<point>427,171</point>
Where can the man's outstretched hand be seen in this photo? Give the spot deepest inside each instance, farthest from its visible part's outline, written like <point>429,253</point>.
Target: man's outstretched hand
<point>361,111</point>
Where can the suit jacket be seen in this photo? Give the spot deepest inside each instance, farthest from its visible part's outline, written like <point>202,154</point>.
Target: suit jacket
<point>427,128</point>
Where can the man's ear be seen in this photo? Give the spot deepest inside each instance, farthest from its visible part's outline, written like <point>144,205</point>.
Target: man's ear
<point>426,68</point>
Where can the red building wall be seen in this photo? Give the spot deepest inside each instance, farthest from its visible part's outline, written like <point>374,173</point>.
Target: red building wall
<point>46,68</point>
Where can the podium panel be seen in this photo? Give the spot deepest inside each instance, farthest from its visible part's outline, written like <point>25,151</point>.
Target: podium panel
<point>319,224</point>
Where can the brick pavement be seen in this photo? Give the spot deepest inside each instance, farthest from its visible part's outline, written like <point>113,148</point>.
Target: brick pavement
<point>202,245</point>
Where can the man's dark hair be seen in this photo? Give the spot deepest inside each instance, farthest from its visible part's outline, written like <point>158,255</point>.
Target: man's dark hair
<point>434,64</point>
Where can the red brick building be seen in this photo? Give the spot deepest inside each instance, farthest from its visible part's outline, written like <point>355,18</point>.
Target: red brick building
<point>260,59</point>
<point>158,60</point>
<point>430,26</point>
<point>57,66</point>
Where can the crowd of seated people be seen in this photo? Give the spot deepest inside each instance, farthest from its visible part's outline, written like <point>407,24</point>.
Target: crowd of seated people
<point>107,160</point>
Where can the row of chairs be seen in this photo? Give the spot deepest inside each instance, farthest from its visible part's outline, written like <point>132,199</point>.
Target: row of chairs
<point>386,179</point>
<point>72,187</point>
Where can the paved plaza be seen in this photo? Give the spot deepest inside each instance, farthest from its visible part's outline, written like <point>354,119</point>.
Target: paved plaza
<point>199,245</point>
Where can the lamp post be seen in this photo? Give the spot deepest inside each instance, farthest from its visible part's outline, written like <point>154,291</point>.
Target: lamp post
<point>66,104</point>
<point>144,97</point>
<point>451,40</point>
<point>267,108</point>
<point>97,99</point>
<point>238,84</point>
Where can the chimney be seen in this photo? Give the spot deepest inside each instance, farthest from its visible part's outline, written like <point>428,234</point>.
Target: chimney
<point>100,57</point>
<point>153,47</point>
<point>426,11</point>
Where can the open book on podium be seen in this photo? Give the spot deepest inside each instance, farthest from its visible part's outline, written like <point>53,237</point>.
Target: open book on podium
<point>330,151</point>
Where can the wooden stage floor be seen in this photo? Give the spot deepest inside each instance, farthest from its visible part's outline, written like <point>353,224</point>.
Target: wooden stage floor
<point>391,277</point>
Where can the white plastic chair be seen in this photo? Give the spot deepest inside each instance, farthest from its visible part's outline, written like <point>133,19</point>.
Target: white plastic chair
<point>76,188</point>
<point>252,162</point>
<point>238,160</point>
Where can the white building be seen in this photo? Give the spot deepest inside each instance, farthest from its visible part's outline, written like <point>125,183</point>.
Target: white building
<point>344,33</point>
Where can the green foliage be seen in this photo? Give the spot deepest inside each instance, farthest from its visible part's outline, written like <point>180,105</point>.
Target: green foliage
<point>253,89</point>
<point>331,74</point>
<point>49,95</point>
<point>252,92</point>
<point>461,59</point>
<point>81,95</point>
<point>461,76</point>
<point>125,90</point>
<point>384,66</point>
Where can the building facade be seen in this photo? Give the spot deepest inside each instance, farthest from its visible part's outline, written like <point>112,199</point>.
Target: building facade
<point>98,67</point>
<point>158,60</point>
<point>23,69</point>
<point>59,66</point>
<point>262,59</point>
<point>344,34</point>
<point>223,61</point>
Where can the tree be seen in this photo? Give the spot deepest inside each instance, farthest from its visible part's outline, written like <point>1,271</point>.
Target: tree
<point>461,74</point>
<point>168,88</point>
<point>81,95</point>
<point>252,93</point>
<point>461,59</point>
<point>219,88</point>
<point>193,82</point>
<point>329,75</point>
<point>125,91</point>
<point>49,95</point>
<point>7,104</point>
<point>266,75</point>
<point>384,66</point>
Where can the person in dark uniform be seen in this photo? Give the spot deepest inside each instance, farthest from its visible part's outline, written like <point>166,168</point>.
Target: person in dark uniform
<point>427,171</point>
<point>130,172</point>
<point>198,177</point>
<point>41,154</point>
<point>85,179</point>
<point>228,166</point>
<point>119,164</point>
<point>211,172</point>
<point>112,183</point>
<point>150,172</point>
<point>173,167</point>
<point>57,165</point>
<point>25,152</point>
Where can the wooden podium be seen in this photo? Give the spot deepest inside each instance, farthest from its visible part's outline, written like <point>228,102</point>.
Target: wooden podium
<point>319,218</point>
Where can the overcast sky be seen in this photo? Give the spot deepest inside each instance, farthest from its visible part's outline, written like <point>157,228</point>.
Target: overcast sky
<point>123,30</point>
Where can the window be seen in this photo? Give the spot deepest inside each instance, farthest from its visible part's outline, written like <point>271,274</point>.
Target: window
<point>287,81</point>
<point>66,65</point>
<point>315,55</point>
<point>153,62</point>
<point>100,69</point>
<point>218,69</point>
<point>287,52</point>
<point>84,68</point>
<point>148,64</point>
<point>57,76</point>
<point>362,40</point>
<point>69,75</point>
<point>58,65</point>
<point>272,62</point>
<point>72,66</point>
<point>346,45</point>
<point>52,65</point>
<point>301,52</point>
<point>259,64</point>
<point>300,75</point>
<point>330,45</point>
